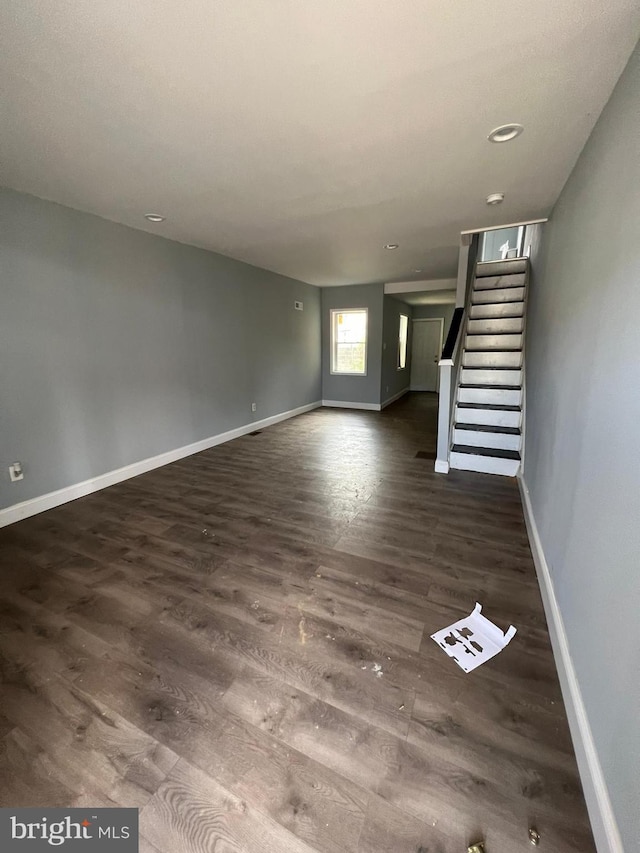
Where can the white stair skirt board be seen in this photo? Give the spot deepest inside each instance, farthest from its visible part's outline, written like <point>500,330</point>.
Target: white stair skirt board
<point>493,396</point>
<point>473,376</point>
<point>78,490</point>
<point>596,794</point>
<point>484,464</point>
<point>490,417</point>
<point>507,294</point>
<point>492,359</point>
<point>478,438</point>
<point>344,404</point>
<point>497,309</point>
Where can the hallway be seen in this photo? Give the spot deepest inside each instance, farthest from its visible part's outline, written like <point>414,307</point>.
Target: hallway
<point>203,642</point>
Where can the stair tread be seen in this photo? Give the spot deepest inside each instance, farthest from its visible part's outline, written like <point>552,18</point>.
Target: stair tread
<point>491,366</point>
<point>496,452</point>
<point>491,406</point>
<point>494,351</point>
<point>488,428</point>
<point>503,302</point>
<point>512,266</point>
<point>503,285</point>
<point>490,334</point>
<point>491,387</point>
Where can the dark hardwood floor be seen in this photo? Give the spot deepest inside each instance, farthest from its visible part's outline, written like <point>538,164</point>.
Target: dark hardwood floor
<point>201,641</point>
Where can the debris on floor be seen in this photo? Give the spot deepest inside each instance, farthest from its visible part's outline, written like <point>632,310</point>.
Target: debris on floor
<point>473,640</point>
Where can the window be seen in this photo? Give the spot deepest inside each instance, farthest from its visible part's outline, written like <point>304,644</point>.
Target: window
<point>402,341</point>
<point>349,341</point>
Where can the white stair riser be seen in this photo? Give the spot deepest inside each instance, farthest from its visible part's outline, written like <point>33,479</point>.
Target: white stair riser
<point>486,464</point>
<point>483,342</point>
<point>500,440</point>
<point>501,267</point>
<point>507,294</point>
<point>496,281</point>
<point>492,396</point>
<point>471,376</point>
<point>491,417</point>
<point>498,309</point>
<point>492,359</point>
<point>495,325</point>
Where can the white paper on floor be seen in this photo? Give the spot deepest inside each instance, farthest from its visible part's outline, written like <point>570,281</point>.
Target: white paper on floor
<point>472,640</point>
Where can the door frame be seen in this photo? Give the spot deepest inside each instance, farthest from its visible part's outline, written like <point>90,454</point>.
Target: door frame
<point>427,320</point>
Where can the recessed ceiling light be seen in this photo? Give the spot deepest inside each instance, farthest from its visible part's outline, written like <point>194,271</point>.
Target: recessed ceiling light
<point>154,217</point>
<point>391,245</point>
<point>495,198</point>
<point>505,133</point>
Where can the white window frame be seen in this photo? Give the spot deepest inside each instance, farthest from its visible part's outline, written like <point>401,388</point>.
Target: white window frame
<point>334,342</point>
<point>401,366</point>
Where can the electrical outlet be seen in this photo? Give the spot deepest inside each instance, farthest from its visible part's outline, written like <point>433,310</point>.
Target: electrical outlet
<point>254,407</point>
<point>15,472</point>
<point>298,305</point>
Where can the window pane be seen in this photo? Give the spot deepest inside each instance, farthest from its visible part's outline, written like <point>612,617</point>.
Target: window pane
<point>349,342</point>
<point>350,358</point>
<point>402,341</point>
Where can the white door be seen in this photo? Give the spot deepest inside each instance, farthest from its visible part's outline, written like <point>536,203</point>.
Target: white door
<point>426,348</point>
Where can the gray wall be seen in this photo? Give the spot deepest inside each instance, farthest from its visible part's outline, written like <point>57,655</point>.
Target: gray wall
<point>392,380</point>
<point>582,463</point>
<point>117,345</point>
<point>425,312</point>
<point>353,389</point>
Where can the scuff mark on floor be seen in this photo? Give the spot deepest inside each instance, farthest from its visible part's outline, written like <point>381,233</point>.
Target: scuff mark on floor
<point>301,631</point>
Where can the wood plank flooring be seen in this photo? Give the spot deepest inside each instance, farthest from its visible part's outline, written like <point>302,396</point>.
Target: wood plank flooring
<point>201,641</point>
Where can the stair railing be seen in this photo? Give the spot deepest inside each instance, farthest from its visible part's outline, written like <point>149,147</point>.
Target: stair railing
<point>449,364</point>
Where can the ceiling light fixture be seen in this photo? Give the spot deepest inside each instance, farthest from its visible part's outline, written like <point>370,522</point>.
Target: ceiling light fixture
<point>505,133</point>
<point>154,217</point>
<point>495,198</point>
<point>391,245</point>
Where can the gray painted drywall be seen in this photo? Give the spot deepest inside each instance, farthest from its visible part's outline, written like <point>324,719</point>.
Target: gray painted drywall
<point>117,345</point>
<point>426,312</point>
<point>353,389</point>
<point>392,380</point>
<point>582,464</point>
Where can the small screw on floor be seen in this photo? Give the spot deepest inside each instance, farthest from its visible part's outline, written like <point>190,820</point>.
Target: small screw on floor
<point>534,836</point>
<point>478,847</point>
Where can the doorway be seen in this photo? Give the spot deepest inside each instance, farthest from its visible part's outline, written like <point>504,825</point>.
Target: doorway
<point>426,347</point>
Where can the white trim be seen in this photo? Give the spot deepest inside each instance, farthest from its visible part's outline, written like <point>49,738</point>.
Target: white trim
<point>334,342</point>
<point>394,398</point>
<point>344,404</point>
<point>508,225</point>
<point>441,466</point>
<point>603,821</point>
<point>17,512</point>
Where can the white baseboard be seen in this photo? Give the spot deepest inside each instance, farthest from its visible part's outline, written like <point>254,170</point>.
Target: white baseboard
<point>603,821</point>
<point>394,398</point>
<point>343,404</point>
<point>40,504</point>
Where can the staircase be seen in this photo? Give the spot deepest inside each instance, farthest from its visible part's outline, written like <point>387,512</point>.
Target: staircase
<point>488,409</point>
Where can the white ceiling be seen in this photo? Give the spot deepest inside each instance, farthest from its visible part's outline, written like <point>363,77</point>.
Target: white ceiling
<point>302,135</point>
